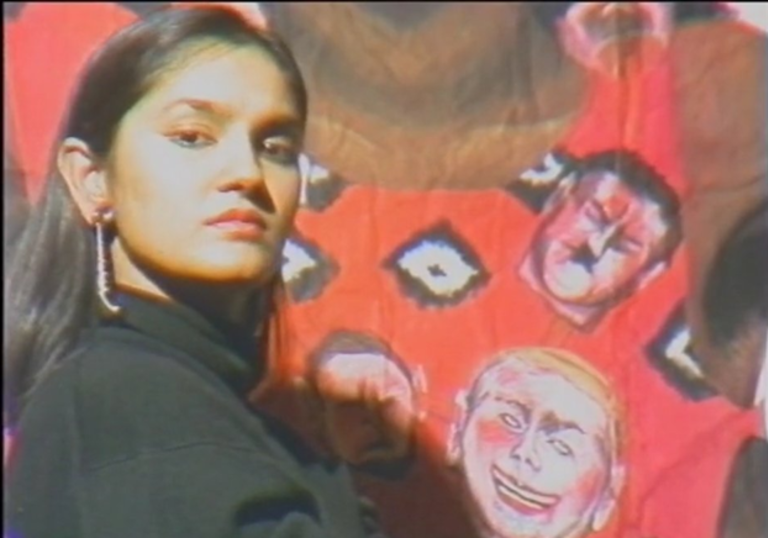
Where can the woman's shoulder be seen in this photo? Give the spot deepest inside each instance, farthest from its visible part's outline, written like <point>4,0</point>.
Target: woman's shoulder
<point>103,368</point>
<point>113,358</point>
<point>124,395</point>
<point>120,374</point>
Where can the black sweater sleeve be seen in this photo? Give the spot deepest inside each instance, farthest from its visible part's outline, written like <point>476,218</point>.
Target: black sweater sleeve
<point>203,491</point>
<point>123,445</point>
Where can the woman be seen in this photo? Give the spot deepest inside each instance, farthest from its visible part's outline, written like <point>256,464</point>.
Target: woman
<point>132,300</point>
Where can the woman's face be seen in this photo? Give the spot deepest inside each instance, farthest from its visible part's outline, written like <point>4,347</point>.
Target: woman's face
<point>203,174</point>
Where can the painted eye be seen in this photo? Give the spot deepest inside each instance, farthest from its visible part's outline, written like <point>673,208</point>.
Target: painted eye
<point>437,268</point>
<point>515,423</point>
<point>628,245</point>
<point>306,270</point>
<point>593,212</point>
<point>561,447</point>
<point>319,187</point>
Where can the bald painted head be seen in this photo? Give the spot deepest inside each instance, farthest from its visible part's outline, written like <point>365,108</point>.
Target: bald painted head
<point>539,444</point>
<point>366,402</point>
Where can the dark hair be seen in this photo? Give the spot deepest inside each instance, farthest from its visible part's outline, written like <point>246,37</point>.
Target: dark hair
<point>15,206</point>
<point>642,179</point>
<point>736,289</point>
<point>49,286</point>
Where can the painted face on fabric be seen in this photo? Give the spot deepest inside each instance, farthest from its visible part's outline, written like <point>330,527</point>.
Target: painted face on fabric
<point>369,408</point>
<point>534,450</point>
<point>204,171</point>
<point>607,36</point>
<point>598,241</point>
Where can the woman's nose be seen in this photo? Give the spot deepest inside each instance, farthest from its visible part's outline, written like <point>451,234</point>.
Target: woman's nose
<point>243,168</point>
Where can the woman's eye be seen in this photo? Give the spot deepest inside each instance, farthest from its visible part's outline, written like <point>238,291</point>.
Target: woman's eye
<point>192,139</point>
<point>281,149</point>
<point>560,447</point>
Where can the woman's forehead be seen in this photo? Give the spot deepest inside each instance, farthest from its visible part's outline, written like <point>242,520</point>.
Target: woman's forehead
<point>243,77</point>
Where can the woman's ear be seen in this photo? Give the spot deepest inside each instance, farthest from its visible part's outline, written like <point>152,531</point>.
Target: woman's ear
<point>85,177</point>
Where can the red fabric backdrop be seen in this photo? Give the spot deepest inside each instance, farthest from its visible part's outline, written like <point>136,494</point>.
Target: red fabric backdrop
<point>679,447</point>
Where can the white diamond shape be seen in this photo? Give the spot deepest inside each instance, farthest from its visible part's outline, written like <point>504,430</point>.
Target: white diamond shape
<point>420,258</point>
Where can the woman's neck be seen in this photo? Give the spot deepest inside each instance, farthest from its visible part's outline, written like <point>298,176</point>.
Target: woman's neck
<point>233,309</point>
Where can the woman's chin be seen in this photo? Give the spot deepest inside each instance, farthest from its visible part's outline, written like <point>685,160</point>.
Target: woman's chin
<point>217,273</point>
<point>233,267</point>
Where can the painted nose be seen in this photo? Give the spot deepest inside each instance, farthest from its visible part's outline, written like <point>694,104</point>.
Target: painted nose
<point>525,452</point>
<point>599,242</point>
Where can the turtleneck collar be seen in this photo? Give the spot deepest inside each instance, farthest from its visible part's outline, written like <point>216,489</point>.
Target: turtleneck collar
<point>228,353</point>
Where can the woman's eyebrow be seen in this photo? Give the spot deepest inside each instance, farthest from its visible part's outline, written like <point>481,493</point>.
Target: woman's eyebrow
<point>280,124</point>
<point>209,108</point>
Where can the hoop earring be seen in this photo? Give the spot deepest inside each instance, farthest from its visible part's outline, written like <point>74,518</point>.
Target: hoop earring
<point>104,276</point>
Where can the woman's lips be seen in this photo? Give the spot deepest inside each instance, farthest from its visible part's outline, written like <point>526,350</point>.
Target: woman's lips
<point>519,496</point>
<point>239,223</point>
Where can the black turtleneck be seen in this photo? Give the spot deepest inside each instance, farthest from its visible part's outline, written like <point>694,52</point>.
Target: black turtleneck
<point>228,351</point>
<point>144,430</point>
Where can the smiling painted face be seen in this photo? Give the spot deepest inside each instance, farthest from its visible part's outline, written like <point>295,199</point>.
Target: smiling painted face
<point>203,175</point>
<point>598,240</point>
<point>536,454</point>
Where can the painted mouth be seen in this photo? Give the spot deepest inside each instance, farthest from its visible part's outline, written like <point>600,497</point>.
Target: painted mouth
<point>568,279</point>
<point>518,496</point>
